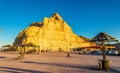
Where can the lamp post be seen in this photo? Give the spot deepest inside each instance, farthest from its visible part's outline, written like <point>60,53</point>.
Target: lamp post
<point>102,38</point>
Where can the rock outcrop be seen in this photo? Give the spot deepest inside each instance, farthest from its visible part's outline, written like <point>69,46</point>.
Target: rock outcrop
<point>52,34</point>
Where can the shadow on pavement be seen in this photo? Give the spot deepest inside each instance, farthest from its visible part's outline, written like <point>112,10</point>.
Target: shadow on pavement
<point>2,57</point>
<point>92,68</point>
<point>19,70</point>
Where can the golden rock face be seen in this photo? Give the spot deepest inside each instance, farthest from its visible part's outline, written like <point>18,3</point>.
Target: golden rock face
<point>52,34</point>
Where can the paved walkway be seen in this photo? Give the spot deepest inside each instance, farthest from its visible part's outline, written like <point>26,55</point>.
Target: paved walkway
<point>55,63</point>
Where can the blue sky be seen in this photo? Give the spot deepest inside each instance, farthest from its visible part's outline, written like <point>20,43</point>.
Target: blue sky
<point>86,17</point>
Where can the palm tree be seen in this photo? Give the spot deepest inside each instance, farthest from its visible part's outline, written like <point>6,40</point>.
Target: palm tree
<point>101,38</point>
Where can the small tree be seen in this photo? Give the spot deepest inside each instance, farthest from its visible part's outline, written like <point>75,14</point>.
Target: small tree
<point>101,38</point>
<point>24,50</point>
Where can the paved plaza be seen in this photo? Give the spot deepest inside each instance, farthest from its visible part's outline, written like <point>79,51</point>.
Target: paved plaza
<point>55,63</point>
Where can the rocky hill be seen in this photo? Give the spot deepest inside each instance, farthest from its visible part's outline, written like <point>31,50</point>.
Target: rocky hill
<point>52,34</point>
